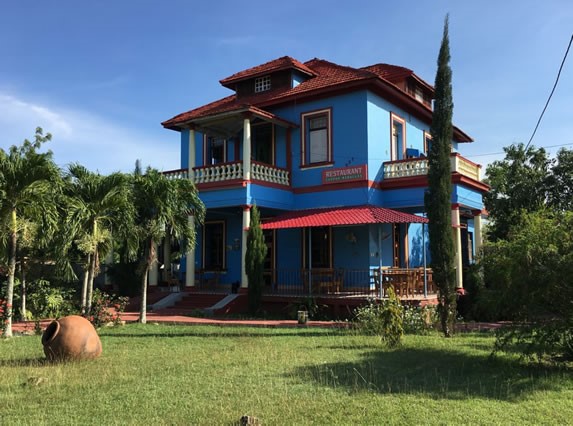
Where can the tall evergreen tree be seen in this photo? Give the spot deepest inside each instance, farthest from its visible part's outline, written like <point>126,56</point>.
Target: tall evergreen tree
<point>254,260</point>
<point>438,197</point>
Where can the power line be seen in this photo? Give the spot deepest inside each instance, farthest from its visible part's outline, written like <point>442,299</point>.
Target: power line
<point>551,94</point>
<point>503,152</point>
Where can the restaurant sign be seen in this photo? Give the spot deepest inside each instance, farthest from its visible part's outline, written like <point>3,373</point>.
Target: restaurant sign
<point>345,174</point>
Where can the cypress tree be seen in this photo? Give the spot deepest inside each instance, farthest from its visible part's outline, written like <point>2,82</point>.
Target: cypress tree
<point>254,260</point>
<point>438,196</point>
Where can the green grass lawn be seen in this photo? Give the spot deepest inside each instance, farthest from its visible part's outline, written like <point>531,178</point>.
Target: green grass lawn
<point>205,375</point>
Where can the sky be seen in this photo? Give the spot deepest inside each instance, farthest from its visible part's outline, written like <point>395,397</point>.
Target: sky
<point>101,76</point>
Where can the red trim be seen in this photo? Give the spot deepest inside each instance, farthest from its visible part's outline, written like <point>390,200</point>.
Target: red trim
<point>464,180</point>
<point>316,165</point>
<point>332,187</point>
<point>406,182</point>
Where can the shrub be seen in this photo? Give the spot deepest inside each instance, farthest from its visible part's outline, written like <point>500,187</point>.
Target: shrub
<point>46,301</point>
<point>419,320</point>
<point>106,308</point>
<point>384,319</point>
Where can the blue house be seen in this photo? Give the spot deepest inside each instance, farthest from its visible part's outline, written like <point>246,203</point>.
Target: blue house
<point>334,157</point>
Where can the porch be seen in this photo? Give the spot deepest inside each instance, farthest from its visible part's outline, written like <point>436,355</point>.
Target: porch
<point>407,283</point>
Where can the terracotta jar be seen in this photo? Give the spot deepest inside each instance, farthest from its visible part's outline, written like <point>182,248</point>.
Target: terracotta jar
<point>69,338</point>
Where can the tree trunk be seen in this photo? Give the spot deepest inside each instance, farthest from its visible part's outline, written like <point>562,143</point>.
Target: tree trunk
<point>85,285</point>
<point>91,282</point>
<point>23,289</point>
<point>148,264</point>
<point>143,307</point>
<point>11,273</point>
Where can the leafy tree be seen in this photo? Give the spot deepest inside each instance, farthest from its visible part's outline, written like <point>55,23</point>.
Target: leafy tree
<point>560,182</point>
<point>254,260</point>
<point>162,209</point>
<point>29,181</point>
<point>94,204</point>
<point>518,183</point>
<point>528,281</point>
<point>438,197</point>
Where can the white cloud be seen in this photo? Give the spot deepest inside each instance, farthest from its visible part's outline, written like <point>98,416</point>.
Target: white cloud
<point>80,136</point>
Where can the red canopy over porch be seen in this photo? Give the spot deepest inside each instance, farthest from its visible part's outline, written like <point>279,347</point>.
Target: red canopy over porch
<point>339,216</point>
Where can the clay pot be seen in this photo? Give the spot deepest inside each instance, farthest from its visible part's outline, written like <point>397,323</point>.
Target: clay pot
<point>71,338</point>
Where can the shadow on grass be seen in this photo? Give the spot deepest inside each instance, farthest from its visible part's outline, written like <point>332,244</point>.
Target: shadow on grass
<point>437,374</point>
<point>26,362</point>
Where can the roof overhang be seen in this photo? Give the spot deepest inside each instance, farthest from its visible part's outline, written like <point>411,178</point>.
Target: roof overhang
<point>340,216</point>
<point>228,123</point>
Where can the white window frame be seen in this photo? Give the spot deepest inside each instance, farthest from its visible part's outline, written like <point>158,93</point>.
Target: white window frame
<point>397,140</point>
<point>307,136</point>
<point>263,83</point>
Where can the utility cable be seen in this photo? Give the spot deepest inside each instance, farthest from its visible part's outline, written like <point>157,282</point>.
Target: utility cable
<point>551,94</point>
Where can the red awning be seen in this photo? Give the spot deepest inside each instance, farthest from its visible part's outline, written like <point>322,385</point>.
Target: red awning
<point>339,216</point>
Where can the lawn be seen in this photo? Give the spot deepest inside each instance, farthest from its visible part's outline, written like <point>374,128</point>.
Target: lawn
<point>206,375</point>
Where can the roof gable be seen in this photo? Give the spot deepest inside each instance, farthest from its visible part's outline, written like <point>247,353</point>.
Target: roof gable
<point>283,63</point>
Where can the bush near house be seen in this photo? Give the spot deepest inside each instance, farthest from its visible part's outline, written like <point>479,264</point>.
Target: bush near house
<point>527,280</point>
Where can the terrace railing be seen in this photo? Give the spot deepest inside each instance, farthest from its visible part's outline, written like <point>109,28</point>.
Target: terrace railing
<point>327,282</point>
<point>419,167</point>
<point>224,172</point>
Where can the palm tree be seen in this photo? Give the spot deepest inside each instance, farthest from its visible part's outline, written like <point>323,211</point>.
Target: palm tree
<point>94,204</point>
<point>29,181</point>
<point>163,207</point>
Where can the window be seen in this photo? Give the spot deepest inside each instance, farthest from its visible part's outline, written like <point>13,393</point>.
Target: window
<point>262,83</point>
<point>427,142</point>
<point>214,246</point>
<point>321,247</point>
<point>400,249</point>
<point>316,137</point>
<point>262,143</point>
<point>215,150</point>
<point>397,138</point>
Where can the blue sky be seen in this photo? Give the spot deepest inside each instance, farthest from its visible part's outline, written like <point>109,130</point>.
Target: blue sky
<point>101,76</point>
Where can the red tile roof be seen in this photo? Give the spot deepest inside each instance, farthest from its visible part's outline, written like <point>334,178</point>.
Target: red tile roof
<point>392,73</point>
<point>286,62</point>
<point>337,216</point>
<point>325,76</point>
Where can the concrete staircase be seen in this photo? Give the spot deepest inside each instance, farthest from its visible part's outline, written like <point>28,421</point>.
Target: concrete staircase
<point>190,303</point>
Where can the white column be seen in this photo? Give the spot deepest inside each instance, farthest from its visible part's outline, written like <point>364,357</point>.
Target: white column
<point>191,158</point>
<point>246,224</point>
<point>247,149</point>
<point>190,261</point>
<point>154,271</point>
<point>478,238</point>
<point>458,246</point>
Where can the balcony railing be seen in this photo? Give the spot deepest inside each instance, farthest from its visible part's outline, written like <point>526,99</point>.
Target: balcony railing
<point>231,171</point>
<point>419,167</point>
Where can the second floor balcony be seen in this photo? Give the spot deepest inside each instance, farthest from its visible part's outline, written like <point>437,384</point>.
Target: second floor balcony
<point>412,167</point>
<point>233,171</point>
